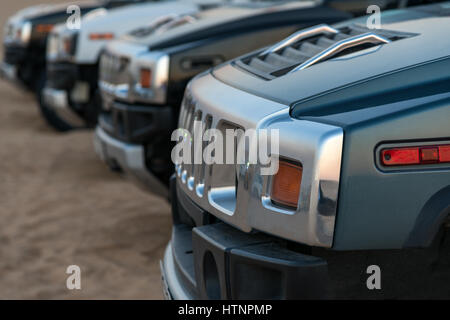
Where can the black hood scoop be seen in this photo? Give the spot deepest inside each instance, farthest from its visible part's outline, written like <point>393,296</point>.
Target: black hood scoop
<point>314,45</point>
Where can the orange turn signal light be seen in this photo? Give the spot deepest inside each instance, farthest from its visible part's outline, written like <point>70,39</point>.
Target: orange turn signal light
<point>67,45</point>
<point>146,78</point>
<point>44,28</point>
<point>101,36</point>
<point>286,184</point>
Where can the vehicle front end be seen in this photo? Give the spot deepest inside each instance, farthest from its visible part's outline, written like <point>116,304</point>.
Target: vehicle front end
<point>363,168</point>
<point>213,254</point>
<point>133,85</point>
<point>16,38</point>
<point>72,93</point>
<point>25,38</point>
<point>69,85</point>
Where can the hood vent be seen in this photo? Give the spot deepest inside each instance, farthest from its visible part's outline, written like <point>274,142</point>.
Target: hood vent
<point>163,24</point>
<point>157,23</point>
<point>314,45</point>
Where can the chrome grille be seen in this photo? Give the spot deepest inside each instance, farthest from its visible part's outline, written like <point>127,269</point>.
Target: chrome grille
<point>113,69</point>
<point>221,175</point>
<point>114,78</point>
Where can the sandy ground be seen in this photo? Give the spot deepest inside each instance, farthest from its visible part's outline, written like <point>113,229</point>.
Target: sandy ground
<point>60,206</point>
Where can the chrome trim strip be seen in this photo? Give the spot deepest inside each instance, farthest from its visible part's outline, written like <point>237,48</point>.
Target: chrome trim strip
<point>369,37</point>
<point>119,90</point>
<point>300,35</point>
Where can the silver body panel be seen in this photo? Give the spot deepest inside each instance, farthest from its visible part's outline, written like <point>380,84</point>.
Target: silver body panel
<point>317,146</point>
<point>170,279</point>
<point>129,157</point>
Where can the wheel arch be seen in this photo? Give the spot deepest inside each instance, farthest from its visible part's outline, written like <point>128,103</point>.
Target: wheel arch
<point>430,219</point>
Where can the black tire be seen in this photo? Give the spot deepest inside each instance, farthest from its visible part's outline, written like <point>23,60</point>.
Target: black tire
<point>49,115</point>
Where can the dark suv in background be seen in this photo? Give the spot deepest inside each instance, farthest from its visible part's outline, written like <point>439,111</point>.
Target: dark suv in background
<point>25,38</point>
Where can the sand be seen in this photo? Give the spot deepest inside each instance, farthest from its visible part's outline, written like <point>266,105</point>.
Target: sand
<point>60,206</point>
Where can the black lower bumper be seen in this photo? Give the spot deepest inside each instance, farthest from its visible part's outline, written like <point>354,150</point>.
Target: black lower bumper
<point>19,66</point>
<point>61,76</point>
<point>208,259</point>
<point>135,123</point>
<point>149,126</point>
<point>14,54</point>
<point>217,261</point>
<point>79,82</point>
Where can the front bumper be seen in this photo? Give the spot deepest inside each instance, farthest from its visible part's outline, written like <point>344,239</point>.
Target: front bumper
<point>18,66</point>
<point>14,54</point>
<point>136,123</point>
<point>62,75</point>
<point>217,261</point>
<point>58,101</point>
<point>9,72</point>
<point>128,157</point>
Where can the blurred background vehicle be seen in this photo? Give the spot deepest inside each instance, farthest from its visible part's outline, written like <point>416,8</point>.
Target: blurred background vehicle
<point>25,38</point>
<point>70,97</point>
<point>143,76</point>
<point>63,207</point>
<point>364,168</point>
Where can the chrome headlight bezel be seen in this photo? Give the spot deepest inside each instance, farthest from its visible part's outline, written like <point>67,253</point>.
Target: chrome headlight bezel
<point>158,63</point>
<point>56,45</point>
<point>18,33</point>
<point>26,30</point>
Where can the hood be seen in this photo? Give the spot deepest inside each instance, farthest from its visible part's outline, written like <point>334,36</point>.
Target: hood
<point>222,20</point>
<point>121,21</point>
<point>426,41</point>
<point>126,49</point>
<point>125,19</point>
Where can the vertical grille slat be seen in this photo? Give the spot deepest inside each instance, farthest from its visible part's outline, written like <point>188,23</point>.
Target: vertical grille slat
<point>190,117</point>
<point>198,178</point>
<point>113,69</point>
